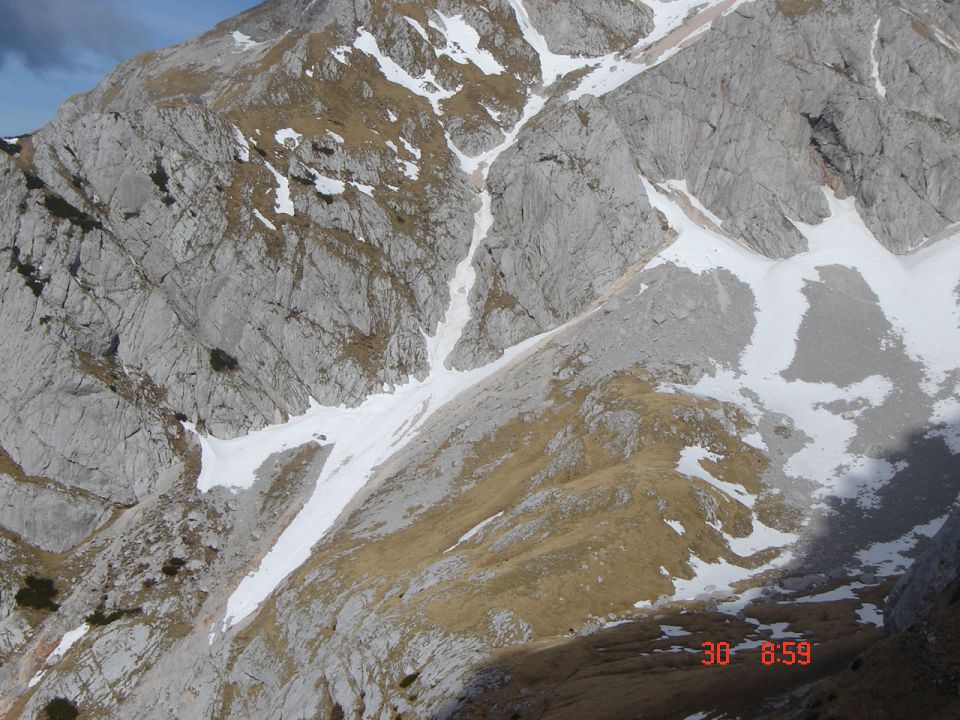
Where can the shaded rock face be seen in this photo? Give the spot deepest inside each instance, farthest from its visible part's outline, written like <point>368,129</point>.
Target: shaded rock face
<point>934,579</point>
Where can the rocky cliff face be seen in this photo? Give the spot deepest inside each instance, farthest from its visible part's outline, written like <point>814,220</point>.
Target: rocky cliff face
<point>735,219</point>
<point>932,580</point>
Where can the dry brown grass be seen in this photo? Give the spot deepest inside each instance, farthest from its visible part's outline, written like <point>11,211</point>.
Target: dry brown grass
<point>617,672</point>
<point>541,579</point>
<point>796,8</point>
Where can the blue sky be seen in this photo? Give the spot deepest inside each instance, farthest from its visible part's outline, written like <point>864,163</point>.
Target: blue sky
<point>51,49</point>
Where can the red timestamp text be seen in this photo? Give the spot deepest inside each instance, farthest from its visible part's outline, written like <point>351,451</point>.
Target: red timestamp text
<point>789,652</point>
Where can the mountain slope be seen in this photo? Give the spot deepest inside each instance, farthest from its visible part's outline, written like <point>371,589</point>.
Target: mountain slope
<point>348,344</point>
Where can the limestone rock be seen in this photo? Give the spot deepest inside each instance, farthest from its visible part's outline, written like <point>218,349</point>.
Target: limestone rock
<point>916,593</point>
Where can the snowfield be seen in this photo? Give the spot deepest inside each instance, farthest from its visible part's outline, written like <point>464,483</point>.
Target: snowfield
<point>917,295</point>
<point>915,292</point>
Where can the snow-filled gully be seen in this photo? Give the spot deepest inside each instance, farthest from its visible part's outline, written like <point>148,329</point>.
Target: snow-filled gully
<point>363,437</point>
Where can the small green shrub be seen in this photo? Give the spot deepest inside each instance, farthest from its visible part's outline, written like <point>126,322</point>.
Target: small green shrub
<point>33,182</point>
<point>60,709</point>
<point>98,618</point>
<point>221,361</point>
<point>160,178</point>
<point>172,566</point>
<point>60,208</point>
<point>38,593</point>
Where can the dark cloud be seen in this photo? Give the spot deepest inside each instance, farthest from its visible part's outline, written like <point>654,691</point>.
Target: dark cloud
<point>59,33</point>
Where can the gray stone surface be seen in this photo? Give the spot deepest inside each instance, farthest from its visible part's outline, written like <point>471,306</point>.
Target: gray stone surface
<point>916,593</point>
<point>593,27</point>
<point>111,311</point>
<point>46,517</point>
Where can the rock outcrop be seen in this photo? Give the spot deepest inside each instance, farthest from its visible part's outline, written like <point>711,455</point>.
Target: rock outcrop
<point>934,579</point>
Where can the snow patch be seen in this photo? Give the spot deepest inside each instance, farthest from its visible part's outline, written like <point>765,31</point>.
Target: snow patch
<point>326,185</point>
<point>426,86</point>
<point>262,219</point>
<point>415,151</point>
<point>844,592</point>
<point>411,170</point>
<point>244,42</point>
<point>681,187</point>
<point>415,24</point>
<point>712,580</point>
<point>946,414</point>
<point>869,615</point>
<point>243,147</point>
<point>472,532</point>
<point>552,66</point>
<point>676,525</point>
<point>915,293</point>
<point>616,69</point>
<point>365,189</point>
<point>284,202</point>
<point>357,433</point>
<point>288,137</point>
<point>689,465</point>
<point>340,54</point>
<point>463,44</point>
<point>875,61</point>
<point>862,479</point>
<point>69,639</point>
<point>888,557</point>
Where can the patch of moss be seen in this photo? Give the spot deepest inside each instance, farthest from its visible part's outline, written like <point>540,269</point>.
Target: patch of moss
<point>60,709</point>
<point>221,361</point>
<point>38,593</point>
